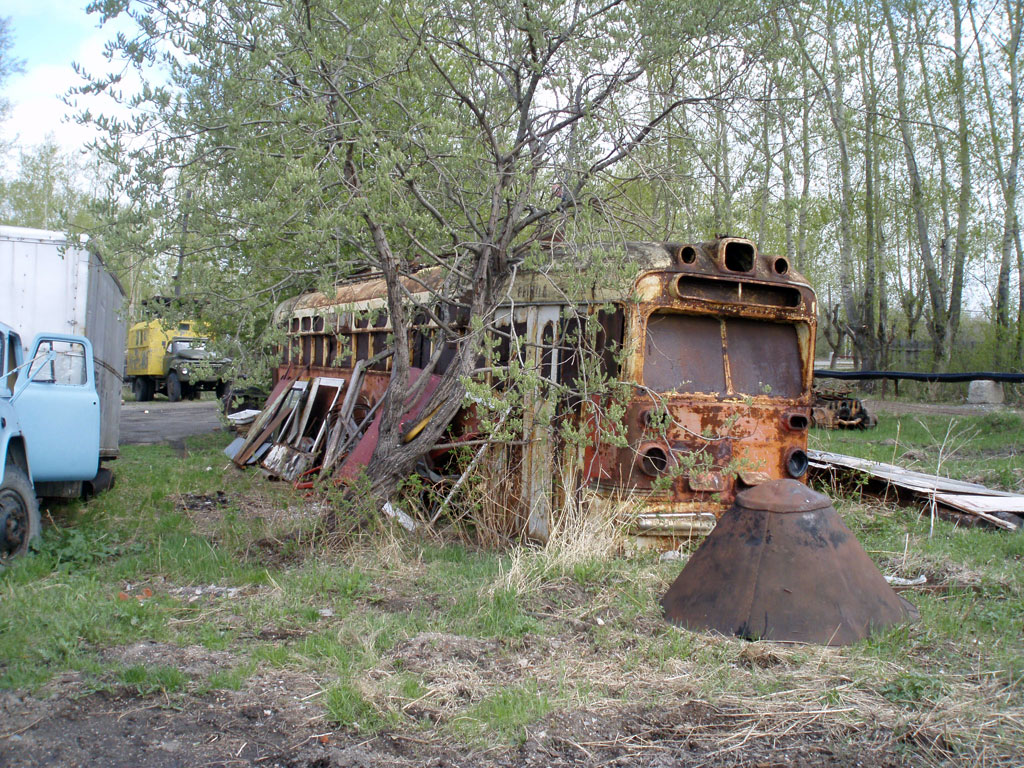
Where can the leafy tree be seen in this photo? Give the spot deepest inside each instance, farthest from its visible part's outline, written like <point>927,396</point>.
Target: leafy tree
<point>292,143</point>
<point>47,191</point>
<point>8,64</point>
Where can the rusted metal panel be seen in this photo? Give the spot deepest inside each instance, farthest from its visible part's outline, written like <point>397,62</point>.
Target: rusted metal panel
<point>684,354</point>
<point>764,357</point>
<point>715,337</point>
<point>360,456</point>
<point>782,565</point>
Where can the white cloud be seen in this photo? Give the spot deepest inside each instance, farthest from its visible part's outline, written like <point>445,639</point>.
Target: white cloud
<point>36,95</point>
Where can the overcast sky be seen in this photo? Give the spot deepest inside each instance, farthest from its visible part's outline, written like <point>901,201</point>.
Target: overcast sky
<point>48,36</point>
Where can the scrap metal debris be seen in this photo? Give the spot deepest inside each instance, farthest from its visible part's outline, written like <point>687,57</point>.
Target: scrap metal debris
<point>782,565</point>
<point>969,501</point>
<point>309,427</point>
<point>837,408</point>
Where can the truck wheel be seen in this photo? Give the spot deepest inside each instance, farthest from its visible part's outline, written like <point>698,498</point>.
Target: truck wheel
<point>173,387</point>
<point>19,513</point>
<point>142,388</point>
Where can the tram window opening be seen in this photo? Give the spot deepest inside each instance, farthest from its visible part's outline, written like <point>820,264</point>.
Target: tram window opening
<point>684,354</point>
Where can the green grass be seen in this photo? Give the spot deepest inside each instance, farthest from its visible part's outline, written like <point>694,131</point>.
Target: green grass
<point>505,714</point>
<point>513,637</point>
<point>148,680</point>
<point>985,448</point>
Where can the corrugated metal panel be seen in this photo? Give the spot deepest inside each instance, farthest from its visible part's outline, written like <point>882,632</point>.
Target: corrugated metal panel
<point>105,327</point>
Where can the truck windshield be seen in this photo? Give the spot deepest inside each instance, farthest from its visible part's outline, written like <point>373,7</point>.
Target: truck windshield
<point>688,353</point>
<point>67,366</point>
<point>179,345</point>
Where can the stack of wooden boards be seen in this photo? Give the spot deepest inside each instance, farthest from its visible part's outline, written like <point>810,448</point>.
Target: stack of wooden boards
<point>309,426</point>
<point>999,508</point>
<point>306,423</point>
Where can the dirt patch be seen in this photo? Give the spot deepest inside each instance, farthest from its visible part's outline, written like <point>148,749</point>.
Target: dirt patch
<point>686,733</point>
<point>429,650</point>
<point>270,725</point>
<point>201,502</point>
<point>390,600</point>
<point>194,661</point>
<point>900,407</point>
<point>272,717</point>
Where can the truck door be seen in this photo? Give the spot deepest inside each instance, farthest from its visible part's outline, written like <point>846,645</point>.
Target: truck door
<point>59,409</point>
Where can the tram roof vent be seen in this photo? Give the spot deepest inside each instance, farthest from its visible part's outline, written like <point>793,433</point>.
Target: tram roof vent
<point>736,255</point>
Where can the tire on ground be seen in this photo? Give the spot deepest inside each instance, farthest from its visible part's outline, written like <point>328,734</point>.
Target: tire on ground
<point>19,513</point>
<point>142,389</point>
<point>174,388</point>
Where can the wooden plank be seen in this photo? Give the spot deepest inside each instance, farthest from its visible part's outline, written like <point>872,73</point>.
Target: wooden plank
<point>322,432</point>
<point>284,386</point>
<point>341,432</point>
<point>904,478</point>
<point>984,507</point>
<point>990,504</point>
<point>971,498</point>
<point>283,412</point>
<point>314,387</point>
<point>318,383</point>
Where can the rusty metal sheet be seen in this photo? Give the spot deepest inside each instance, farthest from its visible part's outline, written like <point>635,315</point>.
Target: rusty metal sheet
<point>360,456</point>
<point>684,354</point>
<point>782,565</point>
<point>764,358</point>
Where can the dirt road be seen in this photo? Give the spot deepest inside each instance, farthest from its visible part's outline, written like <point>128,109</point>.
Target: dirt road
<point>159,421</point>
<point>900,407</point>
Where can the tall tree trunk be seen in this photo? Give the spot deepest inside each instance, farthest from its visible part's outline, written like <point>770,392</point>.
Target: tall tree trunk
<point>787,186</point>
<point>937,325</point>
<point>805,172</point>
<point>963,207</point>
<point>870,244</point>
<point>839,113</point>
<point>1007,175</point>
<point>766,152</point>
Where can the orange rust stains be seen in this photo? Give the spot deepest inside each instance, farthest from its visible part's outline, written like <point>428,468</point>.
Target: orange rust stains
<point>715,340</point>
<point>366,289</point>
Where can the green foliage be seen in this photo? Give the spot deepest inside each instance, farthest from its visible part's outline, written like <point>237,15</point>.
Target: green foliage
<point>347,708</point>
<point>8,64</point>
<point>278,170</point>
<point>505,714</point>
<point>51,189</point>
<point>147,680</point>
<point>77,546</point>
<point>912,689</point>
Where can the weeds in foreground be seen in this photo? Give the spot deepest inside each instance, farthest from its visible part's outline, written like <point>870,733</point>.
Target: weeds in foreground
<point>451,642</point>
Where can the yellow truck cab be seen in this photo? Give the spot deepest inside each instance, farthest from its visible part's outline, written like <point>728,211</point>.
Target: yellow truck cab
<point>172,360</point>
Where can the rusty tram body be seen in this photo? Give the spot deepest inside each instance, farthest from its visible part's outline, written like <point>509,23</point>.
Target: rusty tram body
<point>713,341</point>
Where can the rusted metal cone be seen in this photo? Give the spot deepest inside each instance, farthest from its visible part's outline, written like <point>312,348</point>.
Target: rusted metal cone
<point>782,565</point>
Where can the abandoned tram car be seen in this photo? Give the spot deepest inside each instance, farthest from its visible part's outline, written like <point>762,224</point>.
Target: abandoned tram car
<point>716,339</point>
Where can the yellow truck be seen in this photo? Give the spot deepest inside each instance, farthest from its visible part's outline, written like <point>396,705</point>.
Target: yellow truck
<point>173,361</point>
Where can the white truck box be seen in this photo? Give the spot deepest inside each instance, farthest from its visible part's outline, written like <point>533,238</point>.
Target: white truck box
<point>46,286</point>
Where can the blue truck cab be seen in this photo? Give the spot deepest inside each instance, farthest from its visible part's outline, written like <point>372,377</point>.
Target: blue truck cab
<point>49,429</point>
